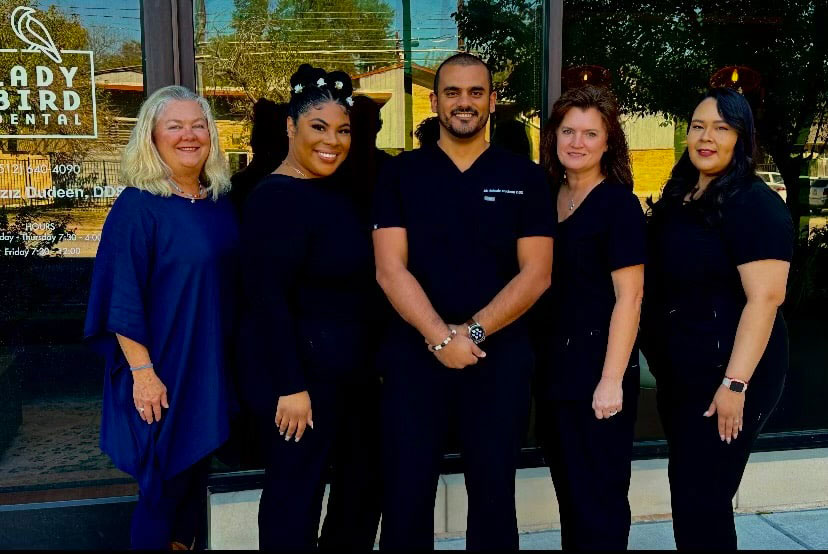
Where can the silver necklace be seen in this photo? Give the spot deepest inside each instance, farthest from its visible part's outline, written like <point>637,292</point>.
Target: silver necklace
<point>572,199</point>
<point>192,197</point>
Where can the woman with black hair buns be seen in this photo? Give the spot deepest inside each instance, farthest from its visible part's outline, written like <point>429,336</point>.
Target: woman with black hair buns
<point>304,346</point>
<point>721,243</point>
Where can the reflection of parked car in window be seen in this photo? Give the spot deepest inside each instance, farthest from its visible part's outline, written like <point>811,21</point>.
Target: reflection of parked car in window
<point>818,197</point>
<point>775,182</point>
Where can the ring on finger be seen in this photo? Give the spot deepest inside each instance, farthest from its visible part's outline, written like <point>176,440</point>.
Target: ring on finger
<point>612,413</point>
<point>141,410</point>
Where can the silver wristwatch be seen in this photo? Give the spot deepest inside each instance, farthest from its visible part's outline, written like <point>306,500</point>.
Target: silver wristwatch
<point>476,332</point>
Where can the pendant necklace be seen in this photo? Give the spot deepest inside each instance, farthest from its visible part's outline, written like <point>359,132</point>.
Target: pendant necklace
<point>572,199</point>
<point>296,169</point>
<point>192,197</point>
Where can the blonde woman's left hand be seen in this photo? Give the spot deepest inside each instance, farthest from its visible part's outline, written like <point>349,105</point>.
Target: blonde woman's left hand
<point>608,398</point>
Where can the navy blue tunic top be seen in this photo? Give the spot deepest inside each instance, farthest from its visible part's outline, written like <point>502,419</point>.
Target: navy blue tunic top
<point>463,227</point>
<point>605,233</point>
<point>309,295</point>
<point>163,277</point>
<point>694,295</point>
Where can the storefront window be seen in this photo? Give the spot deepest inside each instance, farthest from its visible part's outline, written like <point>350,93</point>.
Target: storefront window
<point>249,48</point>
<point>658,58</point>
<point>70,87</point>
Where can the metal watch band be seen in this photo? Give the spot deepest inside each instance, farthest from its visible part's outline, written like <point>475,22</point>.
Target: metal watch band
<point>448,339</point>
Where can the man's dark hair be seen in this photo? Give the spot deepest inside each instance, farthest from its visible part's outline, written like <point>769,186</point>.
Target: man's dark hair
<point>463,58</point>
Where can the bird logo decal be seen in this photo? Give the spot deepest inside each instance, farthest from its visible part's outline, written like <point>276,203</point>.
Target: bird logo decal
<point>34,33</point>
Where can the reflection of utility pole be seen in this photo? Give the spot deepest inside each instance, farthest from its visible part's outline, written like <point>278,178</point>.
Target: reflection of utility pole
<point>461,43</point>
<point>408,76</point>
<point>200,22</point>
<point>200,25</point>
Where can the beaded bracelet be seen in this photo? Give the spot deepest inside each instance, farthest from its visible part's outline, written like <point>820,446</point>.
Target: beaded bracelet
<point>438,347</point>
<point>145,366</point>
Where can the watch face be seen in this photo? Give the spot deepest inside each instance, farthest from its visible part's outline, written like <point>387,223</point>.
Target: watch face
<point>736,386</point>
<point>476,333</point>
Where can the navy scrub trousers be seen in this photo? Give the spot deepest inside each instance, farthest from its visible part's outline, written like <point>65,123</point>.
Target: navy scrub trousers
<point>490,403</point>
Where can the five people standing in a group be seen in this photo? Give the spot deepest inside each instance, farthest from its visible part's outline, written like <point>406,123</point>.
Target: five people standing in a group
<point>462,248</point>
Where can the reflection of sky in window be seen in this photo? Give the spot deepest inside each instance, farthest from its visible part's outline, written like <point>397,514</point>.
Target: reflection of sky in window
<point>433,31</point>
<point>121,19</point>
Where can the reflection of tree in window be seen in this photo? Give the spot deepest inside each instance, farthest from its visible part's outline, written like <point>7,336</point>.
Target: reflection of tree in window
<point>252,53</point>
<point>509,36</point>
<point>662,55</point>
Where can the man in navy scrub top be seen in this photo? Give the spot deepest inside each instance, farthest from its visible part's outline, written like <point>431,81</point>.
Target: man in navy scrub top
<point>463,246</point>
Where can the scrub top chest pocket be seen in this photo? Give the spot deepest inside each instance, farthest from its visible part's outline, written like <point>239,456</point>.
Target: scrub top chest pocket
<point>498,213</point>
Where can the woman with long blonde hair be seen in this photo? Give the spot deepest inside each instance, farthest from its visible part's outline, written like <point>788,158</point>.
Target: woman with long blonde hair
<point>159,313</point>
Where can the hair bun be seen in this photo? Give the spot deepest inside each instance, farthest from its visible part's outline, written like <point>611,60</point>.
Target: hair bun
<point>305,76</point>
<point>337,82</point>
<point>347,88</point>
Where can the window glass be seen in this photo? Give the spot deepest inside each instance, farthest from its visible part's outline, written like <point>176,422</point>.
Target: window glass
<point>70,87</point>
<point>658,58</point>
<point>248,49</point>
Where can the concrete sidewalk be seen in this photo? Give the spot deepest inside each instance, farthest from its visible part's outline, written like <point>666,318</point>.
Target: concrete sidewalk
<point>798,530</point>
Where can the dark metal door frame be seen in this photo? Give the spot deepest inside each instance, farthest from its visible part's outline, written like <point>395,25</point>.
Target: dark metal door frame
<point>168,39</point>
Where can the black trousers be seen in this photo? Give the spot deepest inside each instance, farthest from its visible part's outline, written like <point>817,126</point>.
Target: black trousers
<point>342,446</point>
<point>589,460</point>
<point>704,471</point>
<point>421,398</point>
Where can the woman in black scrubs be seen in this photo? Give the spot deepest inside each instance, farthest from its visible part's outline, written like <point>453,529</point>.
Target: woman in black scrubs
<point>306,331</point>
<point>721,246</point>
<point>588,321</point>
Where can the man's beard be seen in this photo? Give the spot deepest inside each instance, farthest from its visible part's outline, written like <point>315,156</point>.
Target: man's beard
<point>464,131</point>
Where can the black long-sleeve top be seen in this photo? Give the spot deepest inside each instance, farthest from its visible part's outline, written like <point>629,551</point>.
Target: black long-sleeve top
<point>309,293</point>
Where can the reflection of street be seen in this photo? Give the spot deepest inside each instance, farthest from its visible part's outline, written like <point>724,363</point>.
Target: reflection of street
<point>57,443</point>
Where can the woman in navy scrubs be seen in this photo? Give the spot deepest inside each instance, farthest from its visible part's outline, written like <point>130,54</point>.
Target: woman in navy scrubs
<point>305,357</point>
<point>587,323</point>
<point>721,246</point>
<point>160,310</point>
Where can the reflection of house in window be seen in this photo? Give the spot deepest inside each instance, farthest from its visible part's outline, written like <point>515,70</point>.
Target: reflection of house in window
<point>651,140</point>
<point>387,87</point>
<point>125,89</point>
